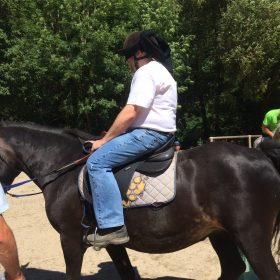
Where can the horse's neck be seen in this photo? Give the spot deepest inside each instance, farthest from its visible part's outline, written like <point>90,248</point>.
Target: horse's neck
<point>40,153</point>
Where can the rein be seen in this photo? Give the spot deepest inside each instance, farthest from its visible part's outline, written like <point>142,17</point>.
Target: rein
<point>76,162</point>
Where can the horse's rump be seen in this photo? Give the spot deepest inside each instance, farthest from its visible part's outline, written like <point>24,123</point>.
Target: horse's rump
<point>271,149</point>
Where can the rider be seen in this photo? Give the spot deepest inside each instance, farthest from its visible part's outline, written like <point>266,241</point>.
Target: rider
<point>147,121</point>
<point>8,249</point>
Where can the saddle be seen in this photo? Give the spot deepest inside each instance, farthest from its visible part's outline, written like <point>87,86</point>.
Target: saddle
<point>152,165</point>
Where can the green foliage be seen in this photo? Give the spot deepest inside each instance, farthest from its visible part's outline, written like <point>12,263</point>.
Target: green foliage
<point>162,16</point>
<point>234,60</point>
<point>59,64</point>
<point>64,56</point>
<point>249,40</point>
<point>200,21</point>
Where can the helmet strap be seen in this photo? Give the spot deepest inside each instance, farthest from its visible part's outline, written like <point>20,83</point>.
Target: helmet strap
<point>136,59</point>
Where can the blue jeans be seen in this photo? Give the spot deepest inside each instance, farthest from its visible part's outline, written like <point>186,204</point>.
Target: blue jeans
<point>107,201</point>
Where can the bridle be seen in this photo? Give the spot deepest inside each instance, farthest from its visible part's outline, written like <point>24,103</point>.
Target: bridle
<point>57,171</point>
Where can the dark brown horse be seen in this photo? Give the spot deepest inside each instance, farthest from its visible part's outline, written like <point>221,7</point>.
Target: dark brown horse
<point>226,192</point>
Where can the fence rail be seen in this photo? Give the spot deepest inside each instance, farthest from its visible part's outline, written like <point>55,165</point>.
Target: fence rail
<point>249,137</point>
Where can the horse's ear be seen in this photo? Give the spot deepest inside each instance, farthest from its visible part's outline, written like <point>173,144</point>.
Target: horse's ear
<point>92,138</point>
<point>82,141</point>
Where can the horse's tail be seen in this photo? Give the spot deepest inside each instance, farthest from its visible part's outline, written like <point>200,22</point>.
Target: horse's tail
<point>271,148</point>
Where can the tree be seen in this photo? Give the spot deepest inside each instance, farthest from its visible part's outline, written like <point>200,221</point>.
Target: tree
<point>61,60</point>
<point>249,43</point>
<point>249,48</point>
<point>200,20</point>
<point>234,60</point>
<point>61,65</point>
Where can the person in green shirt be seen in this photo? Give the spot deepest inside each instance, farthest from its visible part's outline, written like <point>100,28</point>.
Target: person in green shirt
<point>269,126</point>
<point>270,122</point>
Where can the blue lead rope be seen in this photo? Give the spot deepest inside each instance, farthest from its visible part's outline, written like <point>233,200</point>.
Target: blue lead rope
<point>8,187</point>
<point>22,195</point>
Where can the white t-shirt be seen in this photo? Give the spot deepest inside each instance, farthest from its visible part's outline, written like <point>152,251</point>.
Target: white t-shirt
<point>154,89</point>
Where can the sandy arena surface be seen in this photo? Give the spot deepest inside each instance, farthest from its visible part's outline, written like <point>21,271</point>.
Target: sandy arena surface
<point>41,254</point>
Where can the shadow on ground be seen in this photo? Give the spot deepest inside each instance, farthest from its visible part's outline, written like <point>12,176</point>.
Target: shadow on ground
<point>107,271</point>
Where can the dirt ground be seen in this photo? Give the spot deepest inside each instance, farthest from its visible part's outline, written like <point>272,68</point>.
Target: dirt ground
<point>41,255</point>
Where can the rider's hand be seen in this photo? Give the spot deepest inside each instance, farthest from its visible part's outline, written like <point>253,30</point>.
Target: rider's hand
<point>96,144</point>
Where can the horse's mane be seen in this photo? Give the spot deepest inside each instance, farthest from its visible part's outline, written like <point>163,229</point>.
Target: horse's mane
<point>80,134</point>
<point>31,126</point>
<point>70,132</point>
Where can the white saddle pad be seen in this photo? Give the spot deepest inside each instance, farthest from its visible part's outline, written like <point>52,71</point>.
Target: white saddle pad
<point>145,190</point>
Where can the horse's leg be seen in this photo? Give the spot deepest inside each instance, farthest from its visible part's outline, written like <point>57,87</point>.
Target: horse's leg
<point>121,260</point>
<point>73,251</point>
<point>231,263</point>
<point>255,243</point>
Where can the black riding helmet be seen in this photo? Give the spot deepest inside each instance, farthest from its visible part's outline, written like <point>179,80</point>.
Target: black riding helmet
<point>148,42</point>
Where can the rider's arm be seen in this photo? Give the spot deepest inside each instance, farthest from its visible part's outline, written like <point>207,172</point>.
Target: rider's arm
<point>122,122</point>
<point>267,131</point>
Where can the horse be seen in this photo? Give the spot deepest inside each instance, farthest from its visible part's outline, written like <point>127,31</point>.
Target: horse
<point>276,135</point>
<point>226,192</point>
